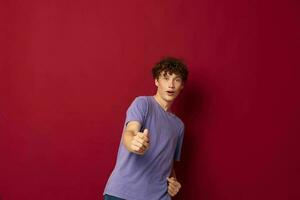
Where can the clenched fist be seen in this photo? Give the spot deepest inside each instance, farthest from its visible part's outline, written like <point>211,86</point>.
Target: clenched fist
<point>140,142</point>
<point>173,186</point>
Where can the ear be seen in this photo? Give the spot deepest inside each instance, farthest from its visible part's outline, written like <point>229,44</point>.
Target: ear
<point>156,82</point>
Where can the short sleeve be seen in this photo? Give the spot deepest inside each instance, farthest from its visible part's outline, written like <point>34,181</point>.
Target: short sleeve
<point>179,145</point>
<point>137,111</point>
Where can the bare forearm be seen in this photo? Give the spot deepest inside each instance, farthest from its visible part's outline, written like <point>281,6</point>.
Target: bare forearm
<point>127,138</point>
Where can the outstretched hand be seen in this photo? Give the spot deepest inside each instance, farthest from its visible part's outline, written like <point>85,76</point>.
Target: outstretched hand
<point>140,142</point>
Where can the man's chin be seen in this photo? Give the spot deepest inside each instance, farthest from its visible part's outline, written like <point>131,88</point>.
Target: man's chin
<point>170,99</point>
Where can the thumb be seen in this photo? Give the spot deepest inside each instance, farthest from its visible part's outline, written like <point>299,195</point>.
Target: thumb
<point>171,179</point>
<point>145,132</point>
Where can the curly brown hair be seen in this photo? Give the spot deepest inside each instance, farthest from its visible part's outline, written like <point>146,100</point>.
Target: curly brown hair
<point>170,65</point>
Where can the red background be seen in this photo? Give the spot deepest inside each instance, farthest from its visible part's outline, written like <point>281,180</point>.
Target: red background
<point>69,69</point>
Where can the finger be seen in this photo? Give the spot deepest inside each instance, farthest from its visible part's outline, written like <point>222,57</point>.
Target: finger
<point>138,150</point>
<point>135,148</point>
<point>171,182</point>
<point>143,135</point>
<point>173,190</point>
<point>140,140</point>
<point>171,193</point>
<point>136,143</point>
<point>141,143</point>
<point>140,135</point>
<point>179,185</point>
<point>176,183</point>
<point>146,145</point>
<point>146,138</point>
<point>141,149</point>
<point>172,187</point>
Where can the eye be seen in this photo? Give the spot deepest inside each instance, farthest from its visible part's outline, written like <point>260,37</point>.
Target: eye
<point>178,80</point>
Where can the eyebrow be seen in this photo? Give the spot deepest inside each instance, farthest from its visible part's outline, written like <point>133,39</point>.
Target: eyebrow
<point>167,75</point>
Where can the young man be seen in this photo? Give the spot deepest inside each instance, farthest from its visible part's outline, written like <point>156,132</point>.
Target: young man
<point>151,141</point>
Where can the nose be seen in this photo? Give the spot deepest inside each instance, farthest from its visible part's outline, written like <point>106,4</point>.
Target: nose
<point>171,84</point>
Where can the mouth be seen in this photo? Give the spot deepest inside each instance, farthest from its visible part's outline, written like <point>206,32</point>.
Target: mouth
<point>170,93</point>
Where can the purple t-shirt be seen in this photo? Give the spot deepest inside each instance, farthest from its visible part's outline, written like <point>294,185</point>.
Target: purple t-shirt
<point>140,177</point>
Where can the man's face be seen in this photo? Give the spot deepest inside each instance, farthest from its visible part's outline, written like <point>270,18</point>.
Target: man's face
<point>168,86</point>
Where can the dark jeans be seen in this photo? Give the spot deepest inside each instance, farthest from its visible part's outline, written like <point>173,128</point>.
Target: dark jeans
<point>108,197</point>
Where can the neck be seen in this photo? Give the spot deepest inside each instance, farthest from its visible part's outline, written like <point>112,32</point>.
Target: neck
<point>166,105</point>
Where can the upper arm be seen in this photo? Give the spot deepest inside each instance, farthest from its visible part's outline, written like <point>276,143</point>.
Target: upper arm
<point>134,126</point>
<point>179,144</point>
<point>137,111</point>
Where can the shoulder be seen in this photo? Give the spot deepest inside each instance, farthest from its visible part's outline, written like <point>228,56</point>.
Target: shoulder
<point>180,123</point>
<point>141,100</point>
<point>140,103</point>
